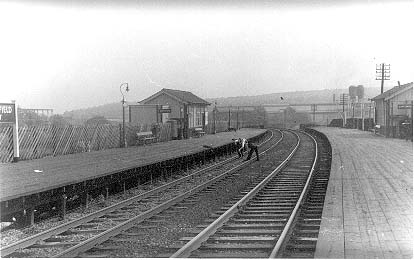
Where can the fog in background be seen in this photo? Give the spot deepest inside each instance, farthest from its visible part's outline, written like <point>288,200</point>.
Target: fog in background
<point>74,55</point>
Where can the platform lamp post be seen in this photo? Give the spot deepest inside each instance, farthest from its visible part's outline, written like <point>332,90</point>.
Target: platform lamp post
<point>123,112</point>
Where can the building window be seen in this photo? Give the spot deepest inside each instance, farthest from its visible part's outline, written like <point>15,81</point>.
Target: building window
<point>190,118</point>
<point>198,117</point>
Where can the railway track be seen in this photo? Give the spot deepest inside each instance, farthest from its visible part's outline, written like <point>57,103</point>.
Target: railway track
<point>77,236</point>
<point>303,235</point>
<point>259,223</point>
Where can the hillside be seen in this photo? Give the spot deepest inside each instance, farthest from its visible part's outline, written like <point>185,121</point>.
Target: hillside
<point>113,111</point>
<point>297,97</point>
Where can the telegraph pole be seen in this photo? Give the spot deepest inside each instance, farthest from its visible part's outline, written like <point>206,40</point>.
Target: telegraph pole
<point>383,73</point>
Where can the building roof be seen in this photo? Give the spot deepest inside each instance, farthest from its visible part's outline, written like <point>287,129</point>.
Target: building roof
<point>182,96</point>
<point>392,92</point>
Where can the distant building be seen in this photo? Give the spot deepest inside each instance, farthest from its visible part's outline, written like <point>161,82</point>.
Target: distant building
<point>185,110</point>
<point>392,108</point>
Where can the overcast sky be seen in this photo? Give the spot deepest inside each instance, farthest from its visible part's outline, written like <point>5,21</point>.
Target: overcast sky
<point>74,55</point>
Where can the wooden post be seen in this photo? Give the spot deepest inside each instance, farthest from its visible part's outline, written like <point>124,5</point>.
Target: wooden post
<point>16,151</point>
<point>87,200</point>
<point>362,115</point>
<point>64,201</point>
<point>29,216</point>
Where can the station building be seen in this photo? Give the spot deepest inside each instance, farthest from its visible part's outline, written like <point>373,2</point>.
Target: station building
<point>394,111</point>
<point>184,110</point>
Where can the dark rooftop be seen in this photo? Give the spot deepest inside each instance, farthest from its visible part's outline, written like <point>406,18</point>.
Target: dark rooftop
<point>184,96</point>
<point>393,90</point>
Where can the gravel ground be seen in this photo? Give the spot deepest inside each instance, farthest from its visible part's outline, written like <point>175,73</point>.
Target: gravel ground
<point>10,235</point>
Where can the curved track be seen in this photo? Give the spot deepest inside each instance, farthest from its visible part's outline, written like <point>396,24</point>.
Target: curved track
<point>303,235</point>
<point>77,236</point>
<point>257,224</point>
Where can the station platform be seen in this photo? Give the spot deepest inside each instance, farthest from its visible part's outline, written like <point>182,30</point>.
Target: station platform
<point>35,176</point>
<point>368,210</point>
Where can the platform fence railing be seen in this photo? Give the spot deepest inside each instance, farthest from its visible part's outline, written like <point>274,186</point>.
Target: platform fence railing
<point>40,141</point>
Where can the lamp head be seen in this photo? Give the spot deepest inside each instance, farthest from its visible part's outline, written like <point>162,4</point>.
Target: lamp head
<point>127,88</point>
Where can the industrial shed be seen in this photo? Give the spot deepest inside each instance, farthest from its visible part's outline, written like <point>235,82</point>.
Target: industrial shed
<point>393,108</point>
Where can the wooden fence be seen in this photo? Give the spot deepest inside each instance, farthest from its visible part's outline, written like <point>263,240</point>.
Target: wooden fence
<point>50,140</point>
<point>6,143</point>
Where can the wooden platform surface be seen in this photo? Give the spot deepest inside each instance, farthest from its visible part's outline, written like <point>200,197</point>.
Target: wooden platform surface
<point>368,211</point>
<point>28,177</point>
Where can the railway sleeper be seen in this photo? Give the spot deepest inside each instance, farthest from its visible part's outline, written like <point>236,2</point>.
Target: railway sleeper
<point>236,239</point>
<point>273,199</point>
<point>298,255</point>
<point>279,207</point>
<point>104,248</point>
<point>97,220</point>
<point>81,231</point>
<point>87,225</point>
<point>249,232</point>
<point>318,191</point>
<point>264,215</point>
<point>218,255</point>
<point>261,214</point>
<point>258,220</point>
<point>113,215</point>
<point>52,244</point>
<point>85,255</point>
<point>312,212</point>
<point>316,198</point>
<point>319,188</point>
<point>306,233</point>
<point>285,192</point>
<point>308,226</point>
<point>313,207</point>
<point>303,240</point>
<point>244,246</point>
<point>314,221</point>
<point>279,187</point>
<point>55,239</point>
<point>268,211</point>
<point>229,226</point>
<point>300,247</point>
<point>273,196</point>
<point>272,203</point>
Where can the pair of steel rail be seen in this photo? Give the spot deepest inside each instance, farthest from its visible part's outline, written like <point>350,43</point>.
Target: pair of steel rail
<point>119,228</point>
<point>195,243</point>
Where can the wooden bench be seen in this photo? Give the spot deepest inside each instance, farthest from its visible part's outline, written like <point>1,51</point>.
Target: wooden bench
<point>199,132</point>
<point>145,137</point>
